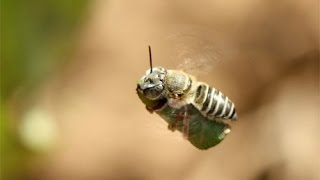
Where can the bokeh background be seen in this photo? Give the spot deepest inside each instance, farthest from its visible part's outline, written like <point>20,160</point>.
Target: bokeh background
<point>69,71</point>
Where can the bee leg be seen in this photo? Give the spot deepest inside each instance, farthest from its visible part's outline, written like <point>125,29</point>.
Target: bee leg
<point>220,119</point>
<point>172,127</point>
<point>149,109</point>
<point>227,129</point>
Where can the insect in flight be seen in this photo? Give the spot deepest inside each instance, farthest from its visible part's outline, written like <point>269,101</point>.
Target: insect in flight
<point>192,107</point>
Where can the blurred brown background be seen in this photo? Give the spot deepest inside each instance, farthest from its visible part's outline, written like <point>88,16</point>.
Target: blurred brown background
<point>69,71</point>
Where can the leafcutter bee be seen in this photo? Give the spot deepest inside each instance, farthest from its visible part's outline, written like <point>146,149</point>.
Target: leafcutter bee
<point>192,107</point>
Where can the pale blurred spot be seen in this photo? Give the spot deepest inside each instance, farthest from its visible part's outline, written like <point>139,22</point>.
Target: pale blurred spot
<point>38,130</point>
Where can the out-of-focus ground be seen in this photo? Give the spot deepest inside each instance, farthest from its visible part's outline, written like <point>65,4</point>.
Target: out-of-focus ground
<point>264,55</point>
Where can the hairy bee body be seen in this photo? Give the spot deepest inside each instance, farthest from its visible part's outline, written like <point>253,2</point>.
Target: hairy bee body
<point>211,102</point>
<point>189,106</point>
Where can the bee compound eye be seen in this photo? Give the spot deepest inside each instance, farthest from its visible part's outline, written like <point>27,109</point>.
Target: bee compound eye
<point>148,80</point>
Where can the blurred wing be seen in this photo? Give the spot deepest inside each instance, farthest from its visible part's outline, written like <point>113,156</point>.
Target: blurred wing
<point>195,52</point>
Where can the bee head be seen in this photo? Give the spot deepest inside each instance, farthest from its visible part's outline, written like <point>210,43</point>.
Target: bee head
<point>151,85</point>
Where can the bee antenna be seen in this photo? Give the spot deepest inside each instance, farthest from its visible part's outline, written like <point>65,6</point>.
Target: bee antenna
<point>150,59</point>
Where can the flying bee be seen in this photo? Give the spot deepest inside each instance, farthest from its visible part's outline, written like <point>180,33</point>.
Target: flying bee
<point>194,108</point>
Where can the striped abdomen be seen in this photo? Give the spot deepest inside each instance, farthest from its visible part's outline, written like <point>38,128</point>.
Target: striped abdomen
<point>213,104</point>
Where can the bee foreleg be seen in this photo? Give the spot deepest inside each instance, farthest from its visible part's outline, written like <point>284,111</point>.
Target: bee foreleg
<point>172,127</point>
<point>149,109</point>
<point>227,129</point>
